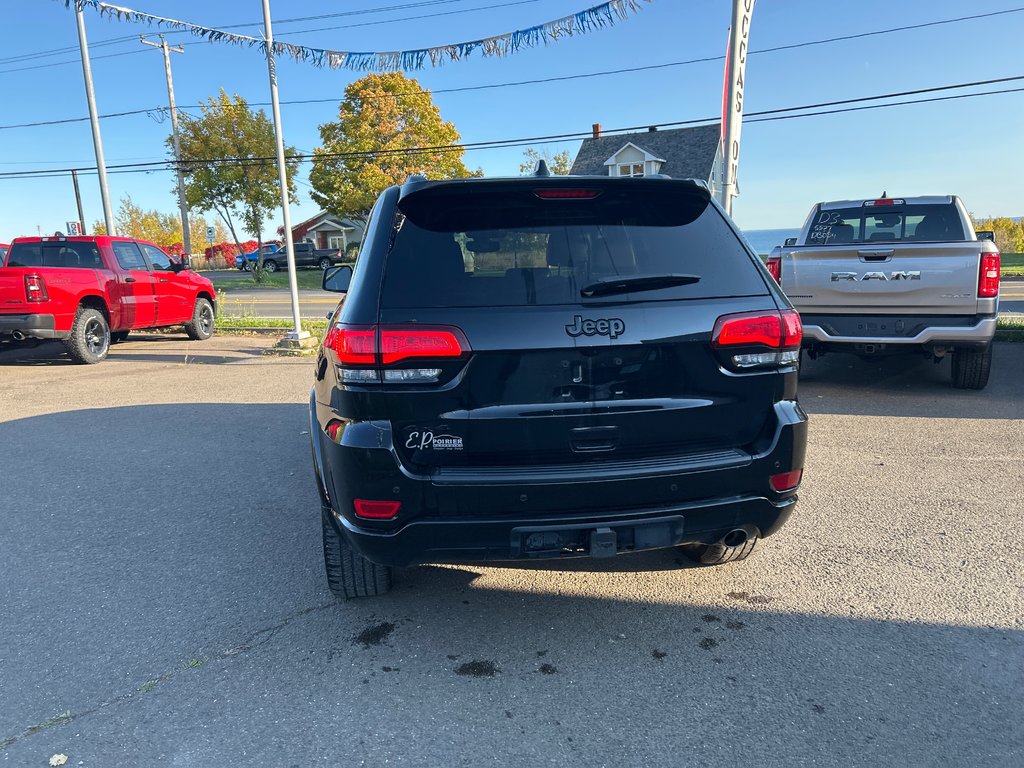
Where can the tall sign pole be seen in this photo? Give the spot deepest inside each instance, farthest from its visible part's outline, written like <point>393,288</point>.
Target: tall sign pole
<point>732,118</point>
<point>101,165</point>
<point>186,232</point>
<point>78,199</point>
<point>282,173</point>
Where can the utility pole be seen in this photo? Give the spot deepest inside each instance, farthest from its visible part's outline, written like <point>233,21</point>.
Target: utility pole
<point>297,335</point>
<point>78,199</point>
<point>732,117</point>
<point>186,233</point>
<point>101,165</point>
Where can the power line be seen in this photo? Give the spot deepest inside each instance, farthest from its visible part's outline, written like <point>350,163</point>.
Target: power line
<point>534,81</point>
<point>754,117</point>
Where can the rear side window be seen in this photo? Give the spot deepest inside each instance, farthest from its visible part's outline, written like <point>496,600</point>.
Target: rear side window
<point>886,224</point>
<point>67,255</point>
<point>129,256</point>
<point>482,248</point>
<point>3,254</point>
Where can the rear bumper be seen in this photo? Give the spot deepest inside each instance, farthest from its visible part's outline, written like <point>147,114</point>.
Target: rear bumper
<point>564,536</point>
<point>491,516</point>
<point>826,330</point>
<point>30,326</point>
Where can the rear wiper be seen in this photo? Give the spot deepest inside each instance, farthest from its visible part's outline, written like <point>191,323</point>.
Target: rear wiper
<point>614,285</point>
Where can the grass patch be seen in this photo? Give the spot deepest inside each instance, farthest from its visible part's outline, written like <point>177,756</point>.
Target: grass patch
<point>1010,329</point>
<point>308,279</point>
<point>244,323</point>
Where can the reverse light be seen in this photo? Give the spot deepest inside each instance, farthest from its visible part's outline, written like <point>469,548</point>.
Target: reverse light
<point>35,288</point>
<point>988,276</point>
<point>376,510</point>
<point>781,332</point>
<point>786,481</point>
<point>774,264</point>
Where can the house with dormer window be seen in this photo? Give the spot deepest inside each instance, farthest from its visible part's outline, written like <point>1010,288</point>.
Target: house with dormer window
<point>682,153</point>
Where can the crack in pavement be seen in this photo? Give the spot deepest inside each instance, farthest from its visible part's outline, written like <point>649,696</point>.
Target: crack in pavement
<point>255,640</point>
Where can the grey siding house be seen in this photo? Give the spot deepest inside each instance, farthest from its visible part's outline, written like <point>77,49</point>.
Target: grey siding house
<point>682,153</point>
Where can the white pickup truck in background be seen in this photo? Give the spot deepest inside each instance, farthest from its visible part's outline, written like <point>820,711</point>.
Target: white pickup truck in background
<point>895,275</point>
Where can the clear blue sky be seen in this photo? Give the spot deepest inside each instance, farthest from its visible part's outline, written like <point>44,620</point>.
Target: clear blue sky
<point>971,147</point>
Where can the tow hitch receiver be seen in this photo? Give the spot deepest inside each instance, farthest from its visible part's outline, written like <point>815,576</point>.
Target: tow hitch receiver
<point>602,543</point>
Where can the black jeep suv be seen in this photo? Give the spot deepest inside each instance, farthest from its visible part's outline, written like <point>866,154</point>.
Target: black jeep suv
<point>549,367</point>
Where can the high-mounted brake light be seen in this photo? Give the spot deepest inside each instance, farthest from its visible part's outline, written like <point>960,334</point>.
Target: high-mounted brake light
<point>376,510</point>
<point>567,194</point>
<point>988,276</point>
<point>884,201</point>
<point>781,332</point>
<point>35,288</point>
<point>372,354</point>
<point>774,264</point>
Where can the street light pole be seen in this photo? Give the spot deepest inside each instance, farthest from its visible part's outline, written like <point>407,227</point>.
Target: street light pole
<point>282,172</point>
<point>101,165</point>
<point>186,232</point>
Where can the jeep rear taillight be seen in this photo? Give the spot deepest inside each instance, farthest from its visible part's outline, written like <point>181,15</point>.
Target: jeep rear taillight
<point>988,277</point>
<point>395,354</point>
<point>774,264</point>
<point>35,289</point>
<point>781,332</point>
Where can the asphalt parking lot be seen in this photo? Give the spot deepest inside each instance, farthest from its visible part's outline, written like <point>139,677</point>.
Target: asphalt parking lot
<point>164,601</point>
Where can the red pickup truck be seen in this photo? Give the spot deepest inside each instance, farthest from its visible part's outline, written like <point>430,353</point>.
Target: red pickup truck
<point>89,291</point>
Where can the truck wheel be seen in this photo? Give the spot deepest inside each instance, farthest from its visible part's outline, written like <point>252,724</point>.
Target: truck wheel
<point>971,367</point>
<point>117,336</point>
<point>719,554</point>
<point>325,264</point>
<point>270,266</point>
<point>246,267</point>
<point>200,327</point>
<point>89,341</point>
<point>349,574</point>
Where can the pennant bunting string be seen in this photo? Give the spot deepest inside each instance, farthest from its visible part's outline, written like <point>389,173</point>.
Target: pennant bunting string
<point>590,19</point>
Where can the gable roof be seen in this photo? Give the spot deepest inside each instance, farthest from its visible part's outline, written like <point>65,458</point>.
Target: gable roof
<point>647,155</point>
<point>689,152</point>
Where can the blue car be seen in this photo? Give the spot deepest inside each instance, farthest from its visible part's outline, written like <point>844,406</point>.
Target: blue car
<point>245,262</point>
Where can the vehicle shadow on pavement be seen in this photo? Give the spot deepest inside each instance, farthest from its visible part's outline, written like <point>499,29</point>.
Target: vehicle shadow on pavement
<point>911,386</point>
<point>164,596</point>
<point>155,348</point>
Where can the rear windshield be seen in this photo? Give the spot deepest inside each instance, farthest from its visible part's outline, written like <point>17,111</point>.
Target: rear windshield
<point>55,254</point>
<point>510,248</point>
<point>886,224</point>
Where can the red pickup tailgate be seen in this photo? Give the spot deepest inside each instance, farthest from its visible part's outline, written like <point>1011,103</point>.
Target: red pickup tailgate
<point>64,289</point>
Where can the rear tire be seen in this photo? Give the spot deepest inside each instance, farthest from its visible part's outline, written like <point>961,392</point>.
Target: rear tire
<point>971,367</point>
<point>89,341</point>
<point>325,264</point>
<point>349,574</point>
<point>270,266</point>
<point>719,554</point>
<point>200,327</point>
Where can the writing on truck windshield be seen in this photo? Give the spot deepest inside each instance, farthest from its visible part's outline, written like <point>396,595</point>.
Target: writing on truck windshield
<point>888,224</point>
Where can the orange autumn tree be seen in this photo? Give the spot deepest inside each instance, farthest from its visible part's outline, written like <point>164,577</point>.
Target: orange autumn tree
<point>357,161</point>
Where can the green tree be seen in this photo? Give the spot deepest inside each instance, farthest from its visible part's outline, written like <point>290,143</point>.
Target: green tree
<point>227,153</point>
<point>163,229</point>
<point>560,164</point>
<point>381,113</point>
<point>1009,233</point>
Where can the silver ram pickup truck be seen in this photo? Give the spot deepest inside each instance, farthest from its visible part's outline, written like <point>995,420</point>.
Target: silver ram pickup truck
<point>895,275</point>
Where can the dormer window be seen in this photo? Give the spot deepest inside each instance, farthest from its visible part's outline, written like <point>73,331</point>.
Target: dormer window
<point>633,161</point>
<point>631,169</point>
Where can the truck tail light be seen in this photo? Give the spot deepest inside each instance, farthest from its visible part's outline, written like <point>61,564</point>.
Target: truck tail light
<point>988,277</point>
<point>781,332</point>
<point>376,510</point>
<point>394,354</point>
<point>774,265</point>
<point>786,481</point>
<point>35,288</point>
